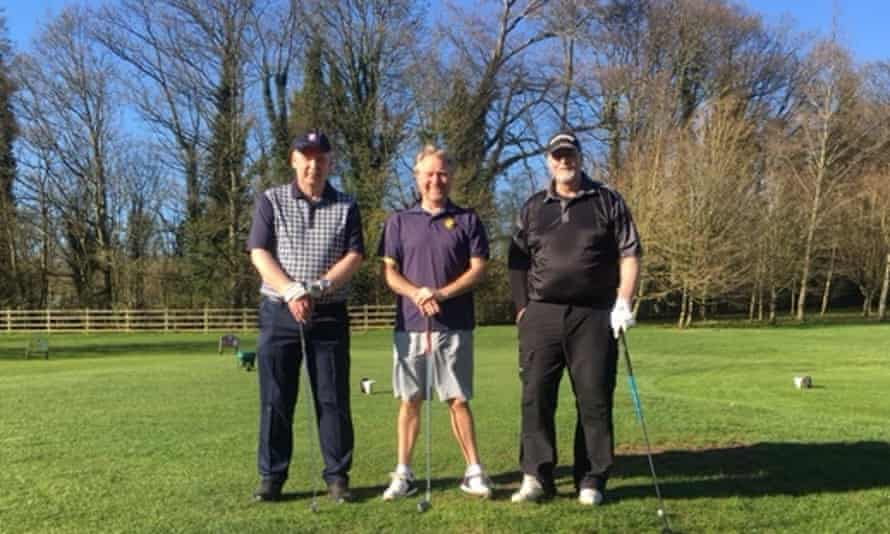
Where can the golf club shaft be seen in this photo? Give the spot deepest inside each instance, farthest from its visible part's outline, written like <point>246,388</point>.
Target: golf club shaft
<point>429,399</point>
<point>309,401</point>
<point>635,396</point>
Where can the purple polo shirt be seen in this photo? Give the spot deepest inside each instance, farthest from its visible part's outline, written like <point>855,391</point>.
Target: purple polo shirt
<point>433,251</point>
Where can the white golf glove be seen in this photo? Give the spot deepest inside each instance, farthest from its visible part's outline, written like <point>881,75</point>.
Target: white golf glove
<point>297,290</point>
<point>622,318</point>
<point>294,291</point>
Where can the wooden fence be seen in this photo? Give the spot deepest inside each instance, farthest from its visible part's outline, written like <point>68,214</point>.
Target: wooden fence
<point>366,317</point>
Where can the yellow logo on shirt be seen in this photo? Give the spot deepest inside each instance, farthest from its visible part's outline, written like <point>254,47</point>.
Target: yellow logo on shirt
<point>448,223</point>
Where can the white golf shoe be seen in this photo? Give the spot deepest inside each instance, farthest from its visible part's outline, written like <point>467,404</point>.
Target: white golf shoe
<point>476,484</point>
<point>590,496</point>
<point>402,485</point>
<point>530,490</point>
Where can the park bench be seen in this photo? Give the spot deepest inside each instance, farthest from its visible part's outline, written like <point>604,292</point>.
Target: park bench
<point>37,345</point>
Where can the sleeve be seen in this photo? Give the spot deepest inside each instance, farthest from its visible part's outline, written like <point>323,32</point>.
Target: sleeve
<point>478,239</point>
<point>390,246</point>
<point>625,230</point>
<point>262,227</point>
<point>355,241</point>
<point>519,261</point>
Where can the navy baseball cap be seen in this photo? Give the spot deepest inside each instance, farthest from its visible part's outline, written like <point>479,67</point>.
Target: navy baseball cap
<point>562,140</point>
<point>312,140</point>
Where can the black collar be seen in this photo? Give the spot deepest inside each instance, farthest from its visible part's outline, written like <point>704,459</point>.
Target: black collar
<point>588,187</point>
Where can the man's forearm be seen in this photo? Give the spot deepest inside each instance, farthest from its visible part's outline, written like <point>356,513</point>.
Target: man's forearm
<point>270,270</point>
<point>629,271</point>
<point>342,271</point>
<point>465,282</point>
<point>398,283</point>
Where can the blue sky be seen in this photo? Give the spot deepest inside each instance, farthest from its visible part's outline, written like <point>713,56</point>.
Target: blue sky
<point>863,23</point>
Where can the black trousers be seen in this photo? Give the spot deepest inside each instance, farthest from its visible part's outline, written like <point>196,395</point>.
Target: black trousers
<point>553,337</point>
<point>327,358</point>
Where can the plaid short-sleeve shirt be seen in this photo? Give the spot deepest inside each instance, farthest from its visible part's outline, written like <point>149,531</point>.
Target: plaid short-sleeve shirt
<point>306,238</point>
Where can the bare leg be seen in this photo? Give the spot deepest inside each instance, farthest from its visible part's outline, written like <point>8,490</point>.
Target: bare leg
<point>408,423</point>
<point>462,427</point>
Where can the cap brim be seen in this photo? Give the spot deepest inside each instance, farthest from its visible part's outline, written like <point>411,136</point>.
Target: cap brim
<point>562,145</point>
<point>311,147</point>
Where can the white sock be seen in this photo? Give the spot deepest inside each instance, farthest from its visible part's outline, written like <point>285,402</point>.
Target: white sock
<point>403,469</point>
<point>473,470</point>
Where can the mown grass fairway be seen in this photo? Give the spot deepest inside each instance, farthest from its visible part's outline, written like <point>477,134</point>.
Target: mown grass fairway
<point>156,433</point>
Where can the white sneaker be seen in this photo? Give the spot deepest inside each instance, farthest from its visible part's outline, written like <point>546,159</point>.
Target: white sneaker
<point>531,490</point>
<point>402,485</point>
<point>476,484</point>
<point>590,496</point>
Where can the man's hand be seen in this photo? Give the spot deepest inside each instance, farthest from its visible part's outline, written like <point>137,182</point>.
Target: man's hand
<point>301,308</point>
<point>621,318</point>
<point>519,314</point>
<point>425,299</point>
<point>299,301</point>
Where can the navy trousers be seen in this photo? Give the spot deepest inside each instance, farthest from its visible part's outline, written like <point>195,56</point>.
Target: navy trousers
<point>327,358</point>
<point>552,338</point>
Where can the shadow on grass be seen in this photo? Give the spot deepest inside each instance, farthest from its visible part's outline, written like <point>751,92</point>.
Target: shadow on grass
<point>370,493</point>
<point>758,470</point>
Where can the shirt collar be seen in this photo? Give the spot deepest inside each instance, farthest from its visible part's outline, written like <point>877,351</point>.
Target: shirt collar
<point>328,194</point>
<point>450,209</point>
<point>588,187</point>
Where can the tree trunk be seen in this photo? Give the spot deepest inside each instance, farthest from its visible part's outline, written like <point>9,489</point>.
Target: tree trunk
<point>683,302</point>
<point>752,304</point>
<point>882,302</point>
<point>826,293</point>
<point>773,302</point>
<point>793,298</point>
<point>690,309</point>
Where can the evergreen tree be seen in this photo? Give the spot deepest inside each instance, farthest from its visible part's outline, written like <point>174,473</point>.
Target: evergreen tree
<point>8,132</point>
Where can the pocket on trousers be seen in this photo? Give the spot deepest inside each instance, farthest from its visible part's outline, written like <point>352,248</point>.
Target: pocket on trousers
<point>525,363</point>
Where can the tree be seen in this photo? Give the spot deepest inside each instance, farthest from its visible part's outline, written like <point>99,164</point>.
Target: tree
<point>9,269</point>
<point>831,141</point>
<point>196,56</point>
<point>708,204</point>
<point>72,132</point>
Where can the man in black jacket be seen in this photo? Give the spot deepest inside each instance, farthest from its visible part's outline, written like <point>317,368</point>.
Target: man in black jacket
<point>574,263</point>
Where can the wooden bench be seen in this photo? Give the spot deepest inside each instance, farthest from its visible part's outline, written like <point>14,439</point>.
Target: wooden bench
<point>37,345</point>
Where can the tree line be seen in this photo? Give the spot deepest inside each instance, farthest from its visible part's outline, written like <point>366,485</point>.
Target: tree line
<point>136,134</point>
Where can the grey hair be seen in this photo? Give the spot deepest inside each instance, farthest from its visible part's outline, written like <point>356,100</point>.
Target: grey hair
<point>431,151</point>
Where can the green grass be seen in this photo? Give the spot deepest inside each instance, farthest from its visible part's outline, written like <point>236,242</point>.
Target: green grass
<point>157,433</point>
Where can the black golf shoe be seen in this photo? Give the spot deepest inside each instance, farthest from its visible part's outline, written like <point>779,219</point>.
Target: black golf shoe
<point>268,491</point>
<point>338,491</point>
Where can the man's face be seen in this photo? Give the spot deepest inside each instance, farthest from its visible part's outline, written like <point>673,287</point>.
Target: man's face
<point>311,166</point>
<point>432,180</point>
<point>563,164</point>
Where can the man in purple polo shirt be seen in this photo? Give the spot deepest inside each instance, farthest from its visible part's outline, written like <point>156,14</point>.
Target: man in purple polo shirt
<point>433,255</point>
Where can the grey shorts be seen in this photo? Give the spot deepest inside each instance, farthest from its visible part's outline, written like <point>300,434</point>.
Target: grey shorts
<point>452,369</point>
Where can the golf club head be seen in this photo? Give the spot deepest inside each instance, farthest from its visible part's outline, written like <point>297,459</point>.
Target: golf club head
<point>423,506</point>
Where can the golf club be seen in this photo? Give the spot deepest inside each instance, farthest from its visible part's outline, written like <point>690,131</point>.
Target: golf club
<point>426,503</point>
<point>309,401</point>
<point>639,410</point>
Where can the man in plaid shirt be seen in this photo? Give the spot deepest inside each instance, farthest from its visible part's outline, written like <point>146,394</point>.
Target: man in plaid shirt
<point>306,243</point>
